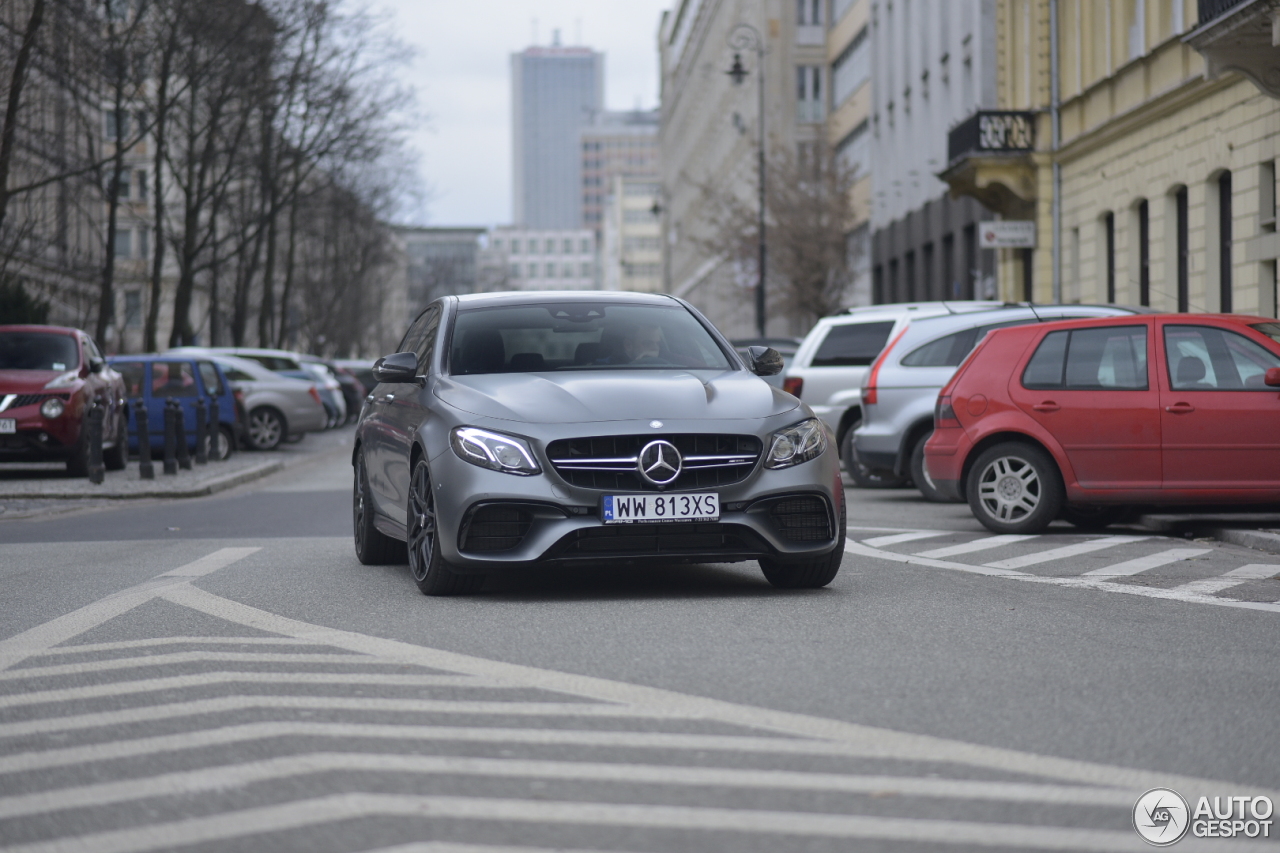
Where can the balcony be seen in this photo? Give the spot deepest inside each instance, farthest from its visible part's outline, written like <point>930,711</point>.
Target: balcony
<point>1241,36</point>
<point>989,157</point>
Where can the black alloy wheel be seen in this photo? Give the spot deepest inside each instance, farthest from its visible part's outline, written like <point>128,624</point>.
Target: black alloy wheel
<point>863,477</point>
<point>807,573</point>
<point>430,571</point>
<point>373,547</point>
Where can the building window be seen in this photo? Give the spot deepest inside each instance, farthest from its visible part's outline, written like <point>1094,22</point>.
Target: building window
<point>1144,253</point>
<point>851,69</point>
<point>1184,283</point>
<point>533,270</point>
<point>1267,196</point>
<point>854,151</point>
<point>809,13</point>
<point>1224,242</point>
<point>142,182</point>
<point>497,243</point>
<point>568,246</point>
<point>809,93</point>
<point>124,243</point>
<point>515,270</point>
<point>550,246</point>
<point>117,124</point>
<point>838,8</point>
<point>1138,30</point>
<point>1109,250</point>
<point>567,272</point>
<point>515,245</point>
<point>123,180</point>
<point>551,270</point>
<point>586,245</point>
<point>132,309</point>
<point>586,269</point>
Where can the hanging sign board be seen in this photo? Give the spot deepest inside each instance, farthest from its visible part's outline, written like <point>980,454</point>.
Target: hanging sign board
<point>1015,234</point>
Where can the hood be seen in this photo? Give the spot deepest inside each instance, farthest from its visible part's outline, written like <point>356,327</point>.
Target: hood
<point>29,381</point>
<point>579,396</point>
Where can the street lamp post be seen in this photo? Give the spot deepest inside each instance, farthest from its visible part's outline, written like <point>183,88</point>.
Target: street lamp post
<point>746,37</point>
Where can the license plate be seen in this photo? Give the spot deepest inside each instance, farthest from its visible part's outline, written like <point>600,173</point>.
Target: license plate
<point>629,509</point>
<point>8,425</point>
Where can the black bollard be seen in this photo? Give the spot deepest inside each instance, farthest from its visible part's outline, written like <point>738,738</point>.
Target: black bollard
<point>202,433</point>
<point>180,427</point>
<point>146,470</point>
<point>215,429</point>
<point>93,423</point>
<point>170,437</point>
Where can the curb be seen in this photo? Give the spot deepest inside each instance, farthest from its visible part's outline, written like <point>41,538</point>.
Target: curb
<point>208,487</point>
<point>1259,540</point>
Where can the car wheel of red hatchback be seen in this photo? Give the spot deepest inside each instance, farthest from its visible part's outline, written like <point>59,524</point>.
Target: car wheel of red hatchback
<point>1015,488</point>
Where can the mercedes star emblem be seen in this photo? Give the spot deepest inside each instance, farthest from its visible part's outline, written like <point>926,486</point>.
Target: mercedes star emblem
<point>656,424</point>
<point>660,463</point>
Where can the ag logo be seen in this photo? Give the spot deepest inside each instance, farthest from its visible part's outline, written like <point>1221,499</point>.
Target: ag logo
<point>1161,817</point>
<point>659,463</point>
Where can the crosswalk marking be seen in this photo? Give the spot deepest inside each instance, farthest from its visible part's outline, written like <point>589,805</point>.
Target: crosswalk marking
<point>984,544</point>
<point>880,541</point>
<point>352,806</point>
<point>1150,561</point>
<point>1064,552</point>
<point>1235,577</point>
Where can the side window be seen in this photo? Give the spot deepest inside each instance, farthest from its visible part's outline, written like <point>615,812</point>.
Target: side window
<point>946,351</point>
<point>209,376</point>
<point>1204,358</point>
<point>132,371</point>
<point>1110,358</point>
<point>852,344</point>
<point>235,374</point>
<point>172,379</point>
<point>412,337</point>
<point>90,350</point>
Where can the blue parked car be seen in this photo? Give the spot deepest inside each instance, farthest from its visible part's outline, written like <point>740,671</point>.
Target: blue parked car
<point>155,378</point>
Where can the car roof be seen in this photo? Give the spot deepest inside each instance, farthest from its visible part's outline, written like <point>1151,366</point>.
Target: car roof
<point>172,355</point>
<point>36,327</point>
<point>534,297</point>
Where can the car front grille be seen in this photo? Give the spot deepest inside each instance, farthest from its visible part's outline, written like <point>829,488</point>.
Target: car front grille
<point>802,519</point>
<point>608,462</point>
<point>495,528</point>
<point>715,539</point>
<point>30,400</point>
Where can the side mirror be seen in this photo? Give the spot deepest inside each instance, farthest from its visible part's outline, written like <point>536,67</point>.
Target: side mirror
<point>397,367</point>
<point>96,365</point>
<point>764,361</point>
<point>1272,377</point>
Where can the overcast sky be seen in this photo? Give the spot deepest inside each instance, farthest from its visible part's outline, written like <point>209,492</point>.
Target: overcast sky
<point>462,76</point>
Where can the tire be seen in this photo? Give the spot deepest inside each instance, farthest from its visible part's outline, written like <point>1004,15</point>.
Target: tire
<point>266,429</point>
<point>430,571</point>
<point>222,444</point>
<point>1014,488</point>
<point>373,547</point>
<point>807,574</point>
<point>115,458</point>
<point>920,476</point>
<point>863,478</point>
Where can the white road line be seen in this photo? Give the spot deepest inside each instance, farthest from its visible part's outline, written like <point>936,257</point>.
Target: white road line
<point>224,704</point>
<point>1235,577</point>
<point>58,631</point>
<point>347,732</point>
<point>206,679</point>
<point>123,645</point>
<point>1079,582</point>
<point>1150,561</point>
<point>881,541</point>
<point>205,830</point>
<point>1064,552</point>
<point>189,657</point>
<point>452,847</point>
<point>188,782</point>
<point>983,544</point>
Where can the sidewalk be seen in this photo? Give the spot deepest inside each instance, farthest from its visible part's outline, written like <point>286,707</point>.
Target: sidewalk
<point>1257,530</point>
<point>28,489</point>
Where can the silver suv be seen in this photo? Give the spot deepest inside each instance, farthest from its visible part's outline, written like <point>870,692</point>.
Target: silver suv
<point>833,359</point>
<point>900,390</point>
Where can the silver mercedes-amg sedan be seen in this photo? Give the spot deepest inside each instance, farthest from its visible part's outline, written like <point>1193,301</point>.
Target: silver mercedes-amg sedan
<point>521,429</point>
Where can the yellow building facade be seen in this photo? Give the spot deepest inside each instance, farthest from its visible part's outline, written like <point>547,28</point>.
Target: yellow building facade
<point>1153,179</point>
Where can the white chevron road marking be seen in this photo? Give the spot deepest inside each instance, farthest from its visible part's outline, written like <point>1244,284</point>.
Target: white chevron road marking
<point>1037,557</point>
<point>1235,577</point>
<point>1150,561</point>
<point>984,544</point>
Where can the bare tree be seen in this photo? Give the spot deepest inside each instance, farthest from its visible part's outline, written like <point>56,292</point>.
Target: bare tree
<point>809,214</point>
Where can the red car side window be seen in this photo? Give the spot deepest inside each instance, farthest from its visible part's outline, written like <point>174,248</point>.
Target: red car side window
<point>1108,358</point>
<point>1206,358</point>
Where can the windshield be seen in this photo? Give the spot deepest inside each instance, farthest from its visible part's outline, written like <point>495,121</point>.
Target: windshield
<point>38,351</point>
<point>581,336</point>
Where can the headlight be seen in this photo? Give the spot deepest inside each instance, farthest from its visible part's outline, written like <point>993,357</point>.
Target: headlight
<point>52,408</point>
<point>66,380</point>
<point>795,444</point>
<point>494,450</point>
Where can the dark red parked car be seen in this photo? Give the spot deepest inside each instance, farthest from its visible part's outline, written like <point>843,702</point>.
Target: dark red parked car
<point>49,376</point>
<point>1087,419</point>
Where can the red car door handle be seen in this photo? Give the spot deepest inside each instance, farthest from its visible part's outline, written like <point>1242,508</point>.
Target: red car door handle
<point>1046,406</point>
<point>1180,408</point>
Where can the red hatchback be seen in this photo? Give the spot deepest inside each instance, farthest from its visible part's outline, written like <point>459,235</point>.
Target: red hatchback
<point>1088,419</point>
<point>49,376</point>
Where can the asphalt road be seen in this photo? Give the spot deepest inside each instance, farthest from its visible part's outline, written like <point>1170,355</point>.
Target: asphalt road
<point>222,674</point>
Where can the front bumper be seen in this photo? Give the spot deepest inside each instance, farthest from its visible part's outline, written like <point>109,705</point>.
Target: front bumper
<point>490,521</point>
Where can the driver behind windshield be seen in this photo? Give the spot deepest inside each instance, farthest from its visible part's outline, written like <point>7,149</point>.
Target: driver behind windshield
<point>643,340</point>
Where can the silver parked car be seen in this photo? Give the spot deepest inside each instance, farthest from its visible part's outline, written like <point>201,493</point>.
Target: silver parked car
<point>299,366</point>
<point>516,429</point>
<point>275,407</point>
<point>901,388</point>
